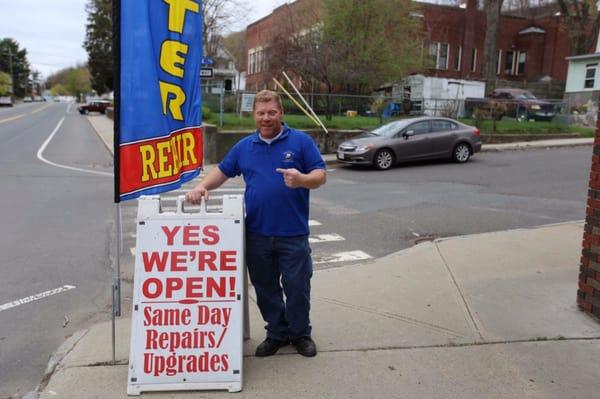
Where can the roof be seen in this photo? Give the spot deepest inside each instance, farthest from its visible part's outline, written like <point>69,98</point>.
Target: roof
<point>584,57</point>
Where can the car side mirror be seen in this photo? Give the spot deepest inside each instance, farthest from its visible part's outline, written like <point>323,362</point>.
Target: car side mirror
<point>408,133</point>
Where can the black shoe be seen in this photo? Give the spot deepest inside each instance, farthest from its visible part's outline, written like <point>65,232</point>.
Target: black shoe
<point>270,347</point>
<point>305,346</point>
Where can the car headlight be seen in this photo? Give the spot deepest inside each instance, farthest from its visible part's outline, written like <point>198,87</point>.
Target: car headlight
<point>536,107</point>
<point>363,148</point>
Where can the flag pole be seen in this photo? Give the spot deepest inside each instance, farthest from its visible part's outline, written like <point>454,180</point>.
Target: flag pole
<point>116,48</point>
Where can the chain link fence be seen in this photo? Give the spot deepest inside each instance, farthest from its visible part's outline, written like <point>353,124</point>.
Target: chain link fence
<point>215,100</point>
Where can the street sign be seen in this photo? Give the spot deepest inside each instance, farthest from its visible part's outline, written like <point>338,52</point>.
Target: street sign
<point>188,315</point>
<point>206,73</point>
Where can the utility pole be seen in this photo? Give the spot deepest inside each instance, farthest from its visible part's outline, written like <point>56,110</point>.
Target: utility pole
<point>12,74</point>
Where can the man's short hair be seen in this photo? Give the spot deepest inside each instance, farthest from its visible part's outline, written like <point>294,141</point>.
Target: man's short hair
<point>266,96</point>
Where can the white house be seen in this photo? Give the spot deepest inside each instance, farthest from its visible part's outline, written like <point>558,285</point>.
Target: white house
<point>582,90</point>
<point>583,77</point>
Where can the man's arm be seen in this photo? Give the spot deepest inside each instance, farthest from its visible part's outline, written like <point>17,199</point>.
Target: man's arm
<point>294,178</point>
<point>214,179</point>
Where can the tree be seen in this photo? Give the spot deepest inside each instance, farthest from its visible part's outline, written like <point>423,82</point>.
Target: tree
<point>73,81</point>
<point>235,43</point>
<point>5,83</point>
<point>355,46</point>
<point>98,44</point>
<point>217,16</point>
<point>78,82</point>
<point>490,53</point>
<point>581,20</point>
<point>13,61</point>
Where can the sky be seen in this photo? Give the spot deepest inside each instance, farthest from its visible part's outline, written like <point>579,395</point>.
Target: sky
<point>53,31</point>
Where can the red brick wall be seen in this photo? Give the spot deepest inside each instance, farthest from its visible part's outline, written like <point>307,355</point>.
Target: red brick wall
<point>458,27</point>
<point>466,27</point>
<point>588,294</point>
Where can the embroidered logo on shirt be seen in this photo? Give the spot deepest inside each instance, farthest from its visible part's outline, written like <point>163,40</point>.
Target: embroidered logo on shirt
<point>288,156</point>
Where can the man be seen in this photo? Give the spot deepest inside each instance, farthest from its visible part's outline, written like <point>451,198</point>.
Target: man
<point>280,165</point>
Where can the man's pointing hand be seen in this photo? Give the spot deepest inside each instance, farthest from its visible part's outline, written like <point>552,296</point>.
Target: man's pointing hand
<point>291,177</point>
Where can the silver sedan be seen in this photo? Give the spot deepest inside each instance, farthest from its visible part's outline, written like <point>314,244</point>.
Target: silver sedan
<point>410,140</point>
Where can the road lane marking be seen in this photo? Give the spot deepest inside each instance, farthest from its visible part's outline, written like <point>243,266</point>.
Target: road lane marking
<point>39,109</point>
<point>343,257</point>
<point>45,144</point>
<point>314,223</point>
<point>325,238</point>
<point>36,297</point>
<point>12,118</point>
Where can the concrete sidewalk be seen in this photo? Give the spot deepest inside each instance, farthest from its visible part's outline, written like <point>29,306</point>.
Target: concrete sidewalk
<point>482,316</point>
<point>104,128</point>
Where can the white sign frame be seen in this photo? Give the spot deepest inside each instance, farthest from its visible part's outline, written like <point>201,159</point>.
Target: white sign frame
<point>169,322</point>
<point>247,102</point>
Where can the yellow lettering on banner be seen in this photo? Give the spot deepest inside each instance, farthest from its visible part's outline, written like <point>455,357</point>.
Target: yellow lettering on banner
<point>164,169</point>
<point>175,142</point>
<point>166,158</point>
<point>147,152</point>
<point>170,58</point>
<point>177,9</point>
<point>188,149</point>
<point>174,96</point>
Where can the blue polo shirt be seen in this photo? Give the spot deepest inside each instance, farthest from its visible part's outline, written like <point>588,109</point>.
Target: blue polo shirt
<point>272,209</point>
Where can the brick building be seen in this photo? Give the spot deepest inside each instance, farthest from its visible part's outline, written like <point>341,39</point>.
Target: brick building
<point>529,48</point>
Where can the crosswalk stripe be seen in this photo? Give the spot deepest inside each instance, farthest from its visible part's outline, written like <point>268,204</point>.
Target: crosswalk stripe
<point>343,257</point>
<point>325,238</point>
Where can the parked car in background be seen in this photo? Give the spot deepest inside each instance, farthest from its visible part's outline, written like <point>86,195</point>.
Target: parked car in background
<point>27,99</point>
<point>94,106</point>
<point>410,140</point>
<point>517,103</point>
<point>6,101</point>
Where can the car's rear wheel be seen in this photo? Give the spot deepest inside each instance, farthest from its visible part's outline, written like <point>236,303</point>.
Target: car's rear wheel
<point>384,159</point>
<point>461,153</point>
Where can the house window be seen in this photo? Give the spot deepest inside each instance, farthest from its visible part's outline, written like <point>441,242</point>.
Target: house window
<point>509,62</point>
<point>474,59</point>
<point>590,76</point>
<point>259,59</point>
<point>521,63</point>
<point>458,58</point>
<point>438,55</point>
<point>499,63</point>
<point>251,61</point>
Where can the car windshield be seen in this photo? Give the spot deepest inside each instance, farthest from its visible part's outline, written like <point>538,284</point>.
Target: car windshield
<point>390,129</point>
<point>526,96</point>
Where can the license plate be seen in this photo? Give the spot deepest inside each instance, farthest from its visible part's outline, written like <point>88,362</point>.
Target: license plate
<point>340,155</point>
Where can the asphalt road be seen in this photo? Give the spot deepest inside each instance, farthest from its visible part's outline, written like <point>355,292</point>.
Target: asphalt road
<point>54,236</point>
<point>383,212</point>
<point>57,222</point>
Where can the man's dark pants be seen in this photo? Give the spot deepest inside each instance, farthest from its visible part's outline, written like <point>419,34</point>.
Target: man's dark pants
<point>270,259</point>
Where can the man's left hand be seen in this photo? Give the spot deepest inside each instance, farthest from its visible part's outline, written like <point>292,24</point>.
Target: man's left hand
<point>291,177</point>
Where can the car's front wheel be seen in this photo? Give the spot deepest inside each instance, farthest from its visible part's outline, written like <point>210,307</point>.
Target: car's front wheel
<point>384,159</point>
<point>461,153</point>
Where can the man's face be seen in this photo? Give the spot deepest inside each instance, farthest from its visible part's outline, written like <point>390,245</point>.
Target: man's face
<point>267,117</point>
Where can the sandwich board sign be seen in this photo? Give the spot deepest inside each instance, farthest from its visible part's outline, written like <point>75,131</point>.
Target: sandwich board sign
<point>187,318</point>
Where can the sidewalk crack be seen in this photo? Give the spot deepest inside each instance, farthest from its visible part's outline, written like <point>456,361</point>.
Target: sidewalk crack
<point>390,315</point>
<point>460,292</point>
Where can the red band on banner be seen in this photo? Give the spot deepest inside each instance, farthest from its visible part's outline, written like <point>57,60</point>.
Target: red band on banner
<point>161,160</point>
